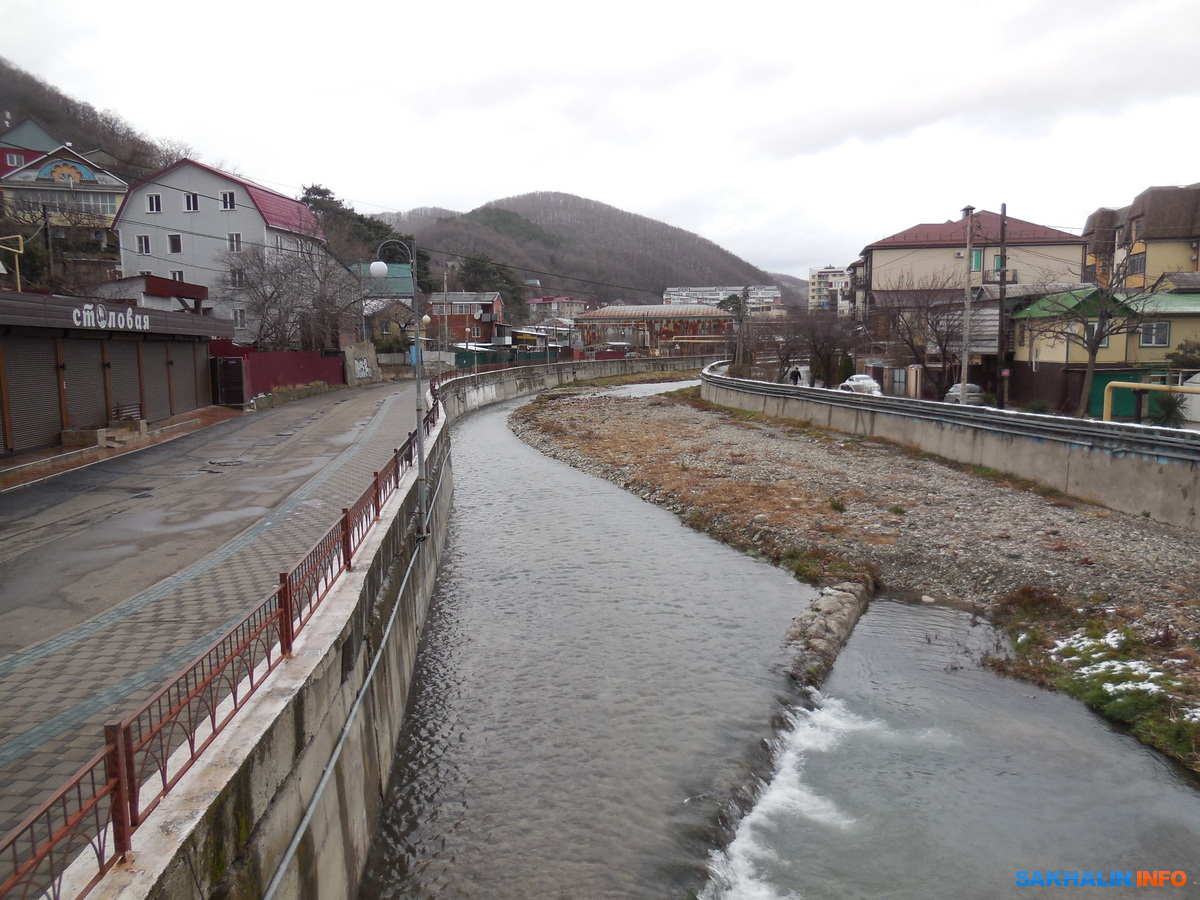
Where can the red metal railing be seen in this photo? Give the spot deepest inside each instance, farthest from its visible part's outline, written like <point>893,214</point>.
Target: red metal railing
<point>94,815</point>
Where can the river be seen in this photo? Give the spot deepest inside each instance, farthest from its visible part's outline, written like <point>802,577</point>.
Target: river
<point>599,711</point>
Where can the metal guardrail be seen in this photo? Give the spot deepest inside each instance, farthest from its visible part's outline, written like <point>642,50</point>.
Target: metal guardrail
<point>1113,437</point>
<point>96,812</point>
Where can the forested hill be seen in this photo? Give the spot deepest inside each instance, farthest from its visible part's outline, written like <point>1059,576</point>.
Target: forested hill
<point>583,248</point>
<point>129,153</point>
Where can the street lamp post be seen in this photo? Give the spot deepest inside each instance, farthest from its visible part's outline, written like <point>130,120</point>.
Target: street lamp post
<point>379,269</point>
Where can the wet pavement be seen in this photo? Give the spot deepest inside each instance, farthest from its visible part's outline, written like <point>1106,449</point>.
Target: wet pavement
<point>118,571</point>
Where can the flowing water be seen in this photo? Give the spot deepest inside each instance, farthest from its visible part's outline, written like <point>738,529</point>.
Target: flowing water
<point>598,700</point>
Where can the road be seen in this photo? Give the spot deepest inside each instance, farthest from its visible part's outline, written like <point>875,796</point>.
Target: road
<point>112,577</point>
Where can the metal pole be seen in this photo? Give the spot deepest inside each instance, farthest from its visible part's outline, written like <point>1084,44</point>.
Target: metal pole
<point>1002,314</point>
<point>422,500</point>
<point>381,272</point>
<point>965,362</point>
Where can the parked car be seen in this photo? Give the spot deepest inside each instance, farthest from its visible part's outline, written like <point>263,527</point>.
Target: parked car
<point>861,384</point>
<point>974,395</point>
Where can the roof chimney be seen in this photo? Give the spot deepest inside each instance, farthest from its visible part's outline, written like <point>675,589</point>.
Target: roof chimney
<point>967,210</point>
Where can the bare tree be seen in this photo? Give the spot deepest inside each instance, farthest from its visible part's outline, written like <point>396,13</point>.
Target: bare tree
<point>1090,318</point>
<point>738,305</point>
<point>825,336</point>
<point>922,318</point>
<point>266,282</point>
<point>168,152</point>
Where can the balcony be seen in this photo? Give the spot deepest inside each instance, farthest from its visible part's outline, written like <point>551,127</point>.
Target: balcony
<point>1010,277</point>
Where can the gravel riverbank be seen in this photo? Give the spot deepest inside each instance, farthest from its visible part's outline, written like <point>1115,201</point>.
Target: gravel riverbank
<point>836,507</point>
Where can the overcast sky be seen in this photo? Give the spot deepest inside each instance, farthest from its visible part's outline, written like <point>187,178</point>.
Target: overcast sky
<point>790,133</point>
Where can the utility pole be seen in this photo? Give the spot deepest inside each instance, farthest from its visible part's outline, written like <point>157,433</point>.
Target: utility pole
<point>1002,314</point>
<point>965,362</point>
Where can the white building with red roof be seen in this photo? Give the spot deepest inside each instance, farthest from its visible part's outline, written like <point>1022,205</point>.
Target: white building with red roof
<point>192,223</point>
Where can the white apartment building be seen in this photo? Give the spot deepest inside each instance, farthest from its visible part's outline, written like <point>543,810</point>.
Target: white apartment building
<point>762,296</point>
<point>829,288</point>
<point>190,222</point>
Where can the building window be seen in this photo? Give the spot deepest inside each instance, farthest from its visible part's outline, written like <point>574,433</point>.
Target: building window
<point>1135,230</point>
<point>174,243</point>
<point>228,200</point>
<point>13,159</point>
<point>154,203</point>
<point>191,202</point>
<point>239,318</point>
<point>237,277</point>
<point>177,274</point>
<point>145,272</point>
<point>976,260</point>
<point>1089,331</point>
<point>234,241</point>
<point>1137,263</point>
<point>143,245</point>
<point>1154,334</point>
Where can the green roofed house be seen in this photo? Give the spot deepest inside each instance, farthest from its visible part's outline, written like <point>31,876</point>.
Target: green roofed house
<point>1131,335</point>
<point>387,301</point>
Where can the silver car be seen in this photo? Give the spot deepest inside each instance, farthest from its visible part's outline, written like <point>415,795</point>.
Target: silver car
<point>861,384</point>
<point>974,395</point>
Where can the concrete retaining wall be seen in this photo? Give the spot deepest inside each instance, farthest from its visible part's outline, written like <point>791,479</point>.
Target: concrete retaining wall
<point>1159,486</point>
<point>467,392</point>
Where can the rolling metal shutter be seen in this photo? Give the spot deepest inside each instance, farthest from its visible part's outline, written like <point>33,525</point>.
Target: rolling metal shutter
<point>31,375</point>
<point>124,382</point>
<point>157,381</point>
<point>84,377</point>
<point>183,376</point>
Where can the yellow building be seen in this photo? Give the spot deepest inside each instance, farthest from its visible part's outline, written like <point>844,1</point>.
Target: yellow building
<point>1050,357</point>
<point>1157,234</point>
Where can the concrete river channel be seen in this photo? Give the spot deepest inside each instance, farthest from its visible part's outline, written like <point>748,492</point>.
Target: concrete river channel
<point>600,712</point>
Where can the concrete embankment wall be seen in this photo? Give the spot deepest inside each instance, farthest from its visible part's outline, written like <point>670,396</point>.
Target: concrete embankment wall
<point>1141,482</point>
<point>467,392</point>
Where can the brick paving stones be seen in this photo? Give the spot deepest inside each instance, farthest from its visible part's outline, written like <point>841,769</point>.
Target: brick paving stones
<point>308,459</point>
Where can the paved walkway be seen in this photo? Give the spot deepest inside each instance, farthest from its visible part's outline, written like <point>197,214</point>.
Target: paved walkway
<point>59,693</point>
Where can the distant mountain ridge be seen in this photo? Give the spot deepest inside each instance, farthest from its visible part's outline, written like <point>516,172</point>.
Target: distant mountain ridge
<point>584,248</point>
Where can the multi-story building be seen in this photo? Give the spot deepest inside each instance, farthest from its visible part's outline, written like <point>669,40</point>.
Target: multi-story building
<point>909,288</point>
<point>465,316</point>
<point>933,257</point>
<point>829,288</point>
<point>761,295</point>
<point>1157,234</point>
<point>193,223</point>
<point>48,186</point>
<point>556,308</point>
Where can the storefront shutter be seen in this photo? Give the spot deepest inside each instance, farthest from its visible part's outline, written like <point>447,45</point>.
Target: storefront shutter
<point>157,381</point>
<point>31,376</point>
<point>84,378</point>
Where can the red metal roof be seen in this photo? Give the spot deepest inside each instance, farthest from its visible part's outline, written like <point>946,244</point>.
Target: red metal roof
<point>987,231</point>
<point>278,211</point>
